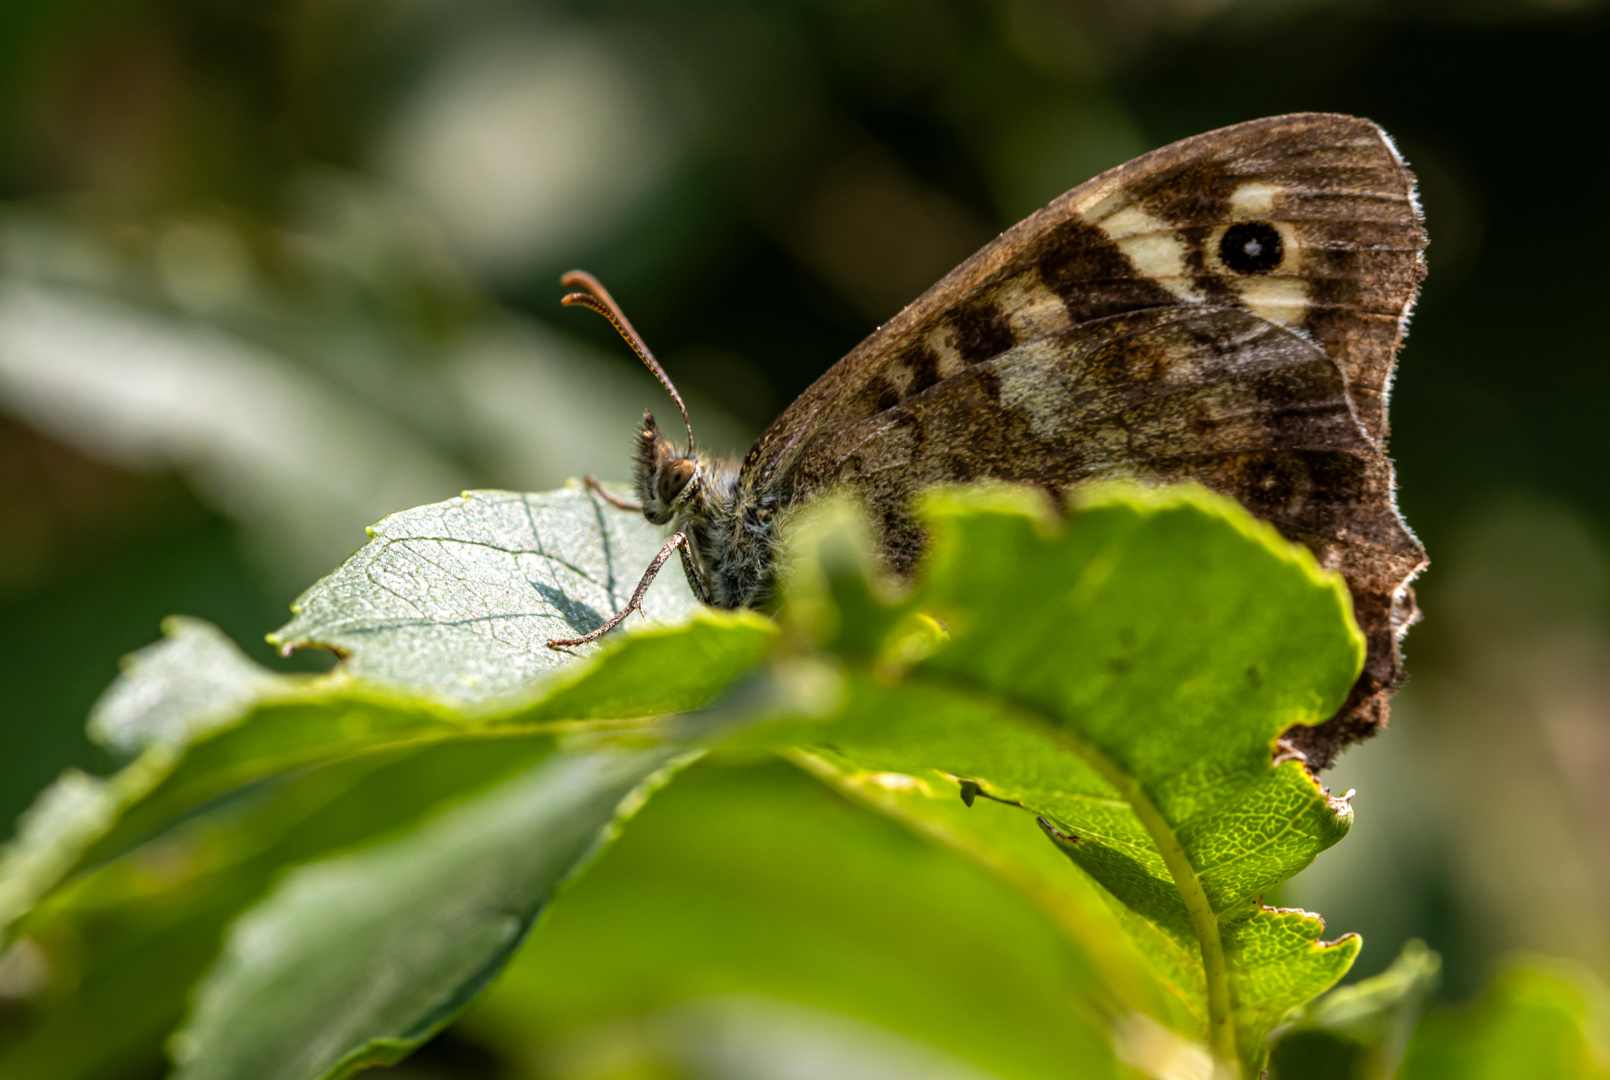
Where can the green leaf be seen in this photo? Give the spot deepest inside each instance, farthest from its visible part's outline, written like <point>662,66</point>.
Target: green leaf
<point>353,961</point>
<point>1535,1020</point>
<point>744,881</point>
<point>294,722</point>
<point>121,948</point>
<point>992,835</point>
<point>207,721</point>
<point>459,598</point>
<point>1358,1032</point>
<point>175,692</point>
<point>1124,676</point>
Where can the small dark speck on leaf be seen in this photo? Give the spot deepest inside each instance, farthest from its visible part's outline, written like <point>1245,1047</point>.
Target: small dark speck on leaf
<point>969,791</point>
<point>1056,833</point>
<point>1255,677</point>
<point>1119,665</point>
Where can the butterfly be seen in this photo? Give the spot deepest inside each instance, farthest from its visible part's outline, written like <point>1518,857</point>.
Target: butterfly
<point>1225,310</point>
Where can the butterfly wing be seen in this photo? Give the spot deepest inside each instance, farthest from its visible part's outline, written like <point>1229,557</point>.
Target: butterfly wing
<point>1225,310</point>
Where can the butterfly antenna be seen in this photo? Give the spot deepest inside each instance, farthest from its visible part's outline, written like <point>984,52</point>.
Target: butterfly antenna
<point>597,298</point>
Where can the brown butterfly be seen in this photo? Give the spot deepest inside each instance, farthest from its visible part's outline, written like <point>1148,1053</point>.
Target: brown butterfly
<point>1226,310</point>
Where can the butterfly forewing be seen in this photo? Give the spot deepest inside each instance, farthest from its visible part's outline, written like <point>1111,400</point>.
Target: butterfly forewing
<point>1225,310</point>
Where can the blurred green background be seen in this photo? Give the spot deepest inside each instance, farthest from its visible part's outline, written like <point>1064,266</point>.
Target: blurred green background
<point>271,271</point>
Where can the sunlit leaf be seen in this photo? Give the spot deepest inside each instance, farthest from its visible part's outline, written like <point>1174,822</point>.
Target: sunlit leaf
<point>207,721</point>
<point>1124,677</point>
<point>461,597</point>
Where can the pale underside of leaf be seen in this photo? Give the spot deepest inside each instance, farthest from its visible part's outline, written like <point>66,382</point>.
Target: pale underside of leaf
<point>460,598</point>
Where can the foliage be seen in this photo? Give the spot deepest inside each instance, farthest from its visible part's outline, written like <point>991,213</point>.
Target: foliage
<point>299,876</point>
<point>1361,1031</point>
<point>1134,709</point>
<point>355,960</point>
<point>1537,1019</point>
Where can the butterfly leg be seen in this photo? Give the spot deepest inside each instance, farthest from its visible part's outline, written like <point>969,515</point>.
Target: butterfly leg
<point>695,579</point>
<point>613,500</point>
<point>678,540</point>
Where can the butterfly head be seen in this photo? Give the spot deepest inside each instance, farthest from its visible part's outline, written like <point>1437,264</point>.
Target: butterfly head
<point>669,481</point>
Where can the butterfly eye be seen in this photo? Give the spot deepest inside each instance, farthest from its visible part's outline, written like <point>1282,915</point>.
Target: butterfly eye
<point>673,478</point>
<point>1251,247</point>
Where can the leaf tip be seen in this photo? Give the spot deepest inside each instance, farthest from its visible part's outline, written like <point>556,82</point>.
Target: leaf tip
<point>1341,804</point>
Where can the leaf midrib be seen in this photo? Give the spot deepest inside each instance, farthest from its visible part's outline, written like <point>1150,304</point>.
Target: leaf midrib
<point>1204,920</point>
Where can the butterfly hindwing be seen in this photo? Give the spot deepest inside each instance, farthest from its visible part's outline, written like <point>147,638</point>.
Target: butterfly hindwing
<point>1225,310</point>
